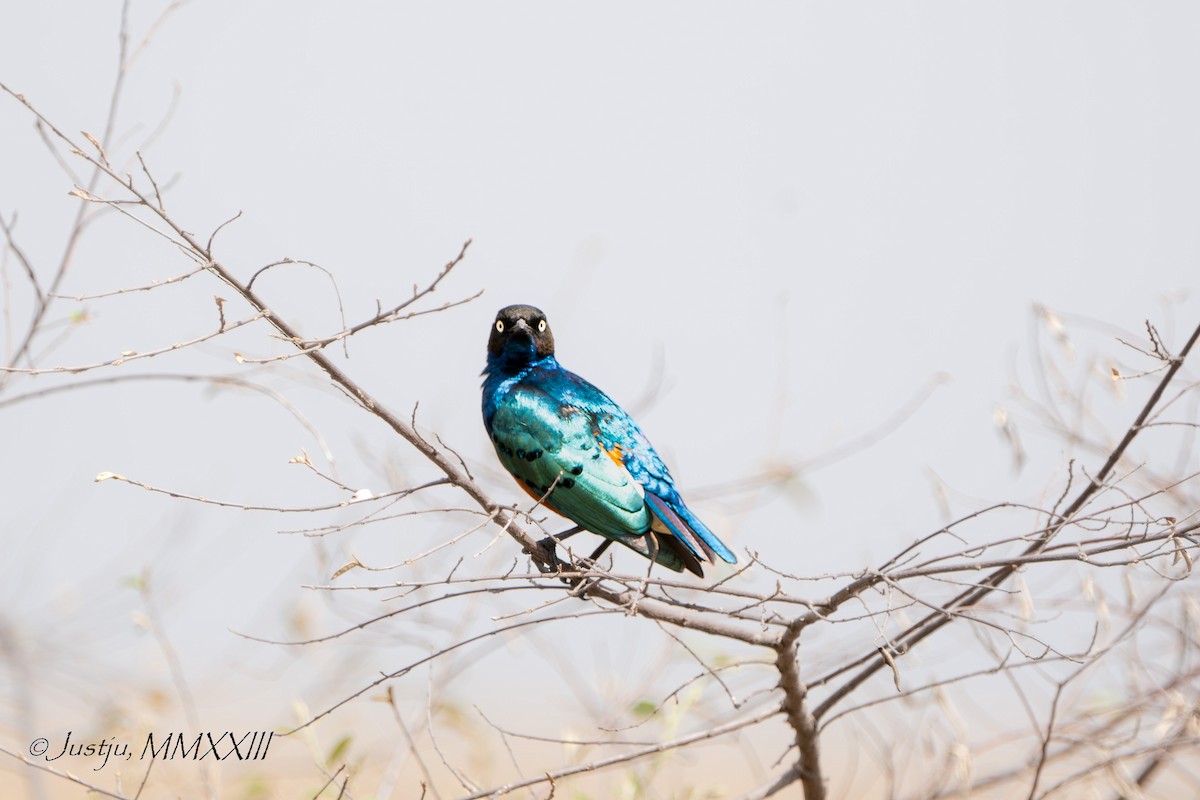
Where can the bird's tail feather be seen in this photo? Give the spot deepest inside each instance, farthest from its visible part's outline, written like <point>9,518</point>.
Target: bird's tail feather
<point>666,550</point>
<point>679,521</point>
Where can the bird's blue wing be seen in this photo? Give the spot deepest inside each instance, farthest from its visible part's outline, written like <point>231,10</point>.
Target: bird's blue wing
<point>618,433</point>
<point>554,453</point>
<point>553,449</point>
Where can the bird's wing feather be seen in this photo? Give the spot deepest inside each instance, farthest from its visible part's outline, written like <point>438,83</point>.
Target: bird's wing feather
<point>551,448</point>
<point>616,429</point>
<point>570,445</point>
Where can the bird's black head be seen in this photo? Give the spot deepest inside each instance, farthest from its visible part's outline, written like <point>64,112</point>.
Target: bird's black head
<point>520,334</point>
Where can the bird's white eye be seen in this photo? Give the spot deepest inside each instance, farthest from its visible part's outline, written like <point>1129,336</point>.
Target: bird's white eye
<point>499,326</point>
<point>542,326</point>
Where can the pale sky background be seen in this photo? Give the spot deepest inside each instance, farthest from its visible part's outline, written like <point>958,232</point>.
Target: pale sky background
<point>801,213</point>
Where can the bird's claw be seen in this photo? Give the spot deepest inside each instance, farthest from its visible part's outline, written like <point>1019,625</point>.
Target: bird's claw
<point>579,583</point>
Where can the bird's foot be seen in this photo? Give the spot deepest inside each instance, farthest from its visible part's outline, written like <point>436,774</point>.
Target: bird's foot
<point>585,565</point>
<point>578,580</point>
<point>546,560</point>
<point>580,586</point>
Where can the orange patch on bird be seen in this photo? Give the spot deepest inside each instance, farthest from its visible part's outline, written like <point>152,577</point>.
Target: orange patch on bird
<point>538,496</point>
<point>617,455</point>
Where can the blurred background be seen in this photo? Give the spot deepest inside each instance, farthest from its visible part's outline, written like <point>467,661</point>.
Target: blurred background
<point>815,248</point>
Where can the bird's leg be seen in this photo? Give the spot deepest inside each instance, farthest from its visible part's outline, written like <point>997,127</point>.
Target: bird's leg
<point>567,534</point>
<point>581,584</point>
<point>599,551</point>
<point>553,539</point>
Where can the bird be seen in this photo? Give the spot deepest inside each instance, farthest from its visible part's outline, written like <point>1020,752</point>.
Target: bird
<point>573,449</point>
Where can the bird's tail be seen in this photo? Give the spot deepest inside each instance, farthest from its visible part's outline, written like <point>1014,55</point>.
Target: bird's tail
<point>684,526</point>
<point>664,549</point>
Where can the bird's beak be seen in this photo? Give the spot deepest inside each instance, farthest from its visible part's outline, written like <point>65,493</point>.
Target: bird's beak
<point>523,326</point>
